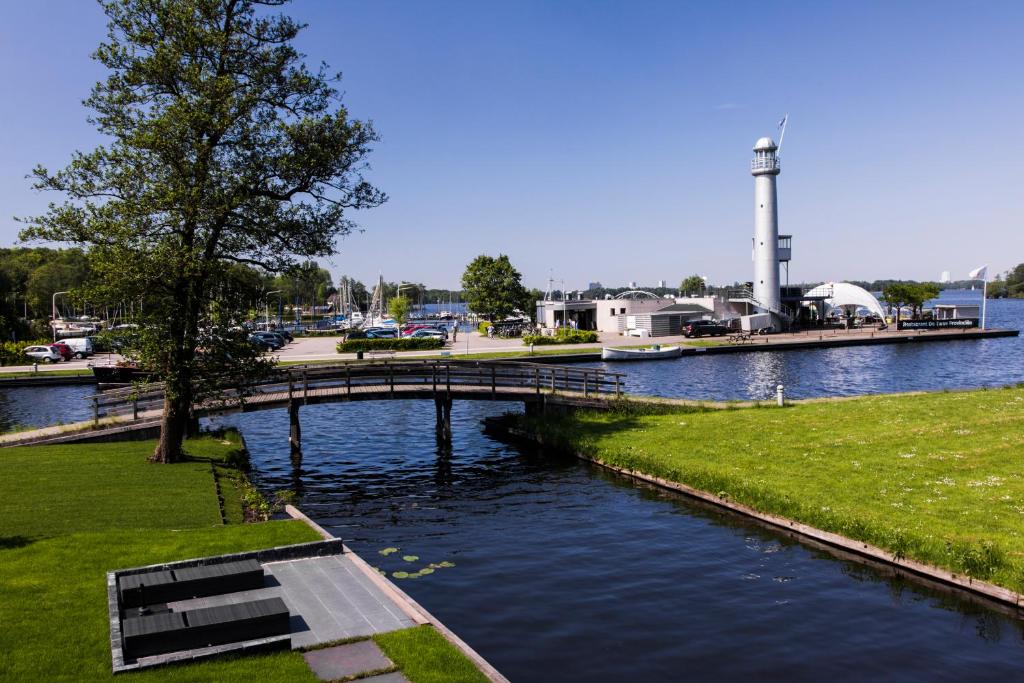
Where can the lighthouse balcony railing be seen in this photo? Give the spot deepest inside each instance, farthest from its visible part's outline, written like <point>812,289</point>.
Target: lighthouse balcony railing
<point>764,164</point>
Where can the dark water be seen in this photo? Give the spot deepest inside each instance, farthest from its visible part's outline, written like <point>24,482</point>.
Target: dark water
<point>37,407</point>
<point>566,573</point>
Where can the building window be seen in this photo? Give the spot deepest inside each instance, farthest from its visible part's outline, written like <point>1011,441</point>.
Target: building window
<point>622,311</point>
<point>613,310</point>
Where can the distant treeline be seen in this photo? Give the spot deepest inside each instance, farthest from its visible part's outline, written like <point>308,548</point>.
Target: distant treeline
<point>31,276</point>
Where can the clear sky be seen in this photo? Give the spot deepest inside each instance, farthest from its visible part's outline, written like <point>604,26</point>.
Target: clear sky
<point>611,141</point>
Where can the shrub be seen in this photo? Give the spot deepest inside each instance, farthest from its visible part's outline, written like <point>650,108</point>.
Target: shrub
<point>13,353</point>
<point>405,344</point>
<point>563,336</point>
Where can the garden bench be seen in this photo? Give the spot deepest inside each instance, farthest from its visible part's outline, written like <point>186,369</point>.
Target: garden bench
<point>159,587</point>
<point>156,634</point>
<point>381,354</point>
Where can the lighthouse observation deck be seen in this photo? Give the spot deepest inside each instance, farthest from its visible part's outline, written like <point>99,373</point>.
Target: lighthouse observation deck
<point>764,162</point>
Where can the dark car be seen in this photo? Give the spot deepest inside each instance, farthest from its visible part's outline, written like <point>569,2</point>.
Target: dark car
<point>284,334</point>
<point>385,333</point>
<point>269,338</point>
<point>261,343</point>
<point>704,328</point>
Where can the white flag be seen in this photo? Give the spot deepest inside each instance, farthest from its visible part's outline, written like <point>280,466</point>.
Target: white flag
<point>979,273</point>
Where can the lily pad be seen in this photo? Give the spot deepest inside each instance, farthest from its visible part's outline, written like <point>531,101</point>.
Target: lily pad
<point>440,565</point>
<point>410,558</point>
<point>425,570</point>
<point>387,551</point>
<point>400,575</point>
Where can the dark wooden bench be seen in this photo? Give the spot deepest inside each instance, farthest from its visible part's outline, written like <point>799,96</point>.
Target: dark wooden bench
<point>160,587</point>
<point>175,631</point>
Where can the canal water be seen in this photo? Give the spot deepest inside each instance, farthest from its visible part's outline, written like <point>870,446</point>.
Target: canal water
<point>558,571</point>
<point>564,572</point>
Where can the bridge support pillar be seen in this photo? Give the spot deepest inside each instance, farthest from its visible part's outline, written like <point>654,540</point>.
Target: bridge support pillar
<point>295,432</point>
<point>443,408</point>
<point>534,408</point>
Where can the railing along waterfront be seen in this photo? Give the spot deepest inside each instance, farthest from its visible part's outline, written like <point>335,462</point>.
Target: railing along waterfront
<point>513,380</point>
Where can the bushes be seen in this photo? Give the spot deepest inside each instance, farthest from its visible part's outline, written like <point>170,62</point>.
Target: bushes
<point>13,353</point>
<point>564,335</point>
<point>405,344</point>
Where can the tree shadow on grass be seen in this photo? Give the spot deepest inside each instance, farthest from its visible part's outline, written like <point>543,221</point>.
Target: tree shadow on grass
<point>12,542</point>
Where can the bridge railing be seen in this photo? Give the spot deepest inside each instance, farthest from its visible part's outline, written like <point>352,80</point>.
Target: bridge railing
<point>388,377</point>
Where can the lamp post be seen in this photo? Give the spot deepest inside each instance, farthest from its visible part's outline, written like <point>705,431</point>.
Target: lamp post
<point>55,313</point>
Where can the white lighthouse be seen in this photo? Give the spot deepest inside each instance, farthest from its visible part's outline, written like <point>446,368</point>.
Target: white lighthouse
<point>764,168</point>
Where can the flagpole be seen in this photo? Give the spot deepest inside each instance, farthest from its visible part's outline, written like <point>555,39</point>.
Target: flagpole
<point>984,299</point>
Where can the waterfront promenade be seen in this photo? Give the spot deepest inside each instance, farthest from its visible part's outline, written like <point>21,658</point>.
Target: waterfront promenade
<point>322,348</point>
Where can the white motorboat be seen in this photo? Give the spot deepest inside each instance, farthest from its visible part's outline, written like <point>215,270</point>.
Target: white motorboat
<point>652,353</point>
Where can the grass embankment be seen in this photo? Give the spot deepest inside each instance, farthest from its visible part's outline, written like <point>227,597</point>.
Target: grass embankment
<point>69,514</point>
<point>932,477</point>
<point>425,656</point>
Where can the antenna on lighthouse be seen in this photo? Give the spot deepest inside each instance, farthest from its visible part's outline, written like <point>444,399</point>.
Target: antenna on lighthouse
<point>782,135</point>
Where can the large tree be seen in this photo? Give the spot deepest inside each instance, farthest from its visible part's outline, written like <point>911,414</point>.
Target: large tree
<point>494,289</point>
<point>223,147</point>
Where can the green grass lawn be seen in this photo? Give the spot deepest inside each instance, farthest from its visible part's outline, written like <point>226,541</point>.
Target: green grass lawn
<point>69,514</point>
<point>425,656</point>
<point>934,477</point>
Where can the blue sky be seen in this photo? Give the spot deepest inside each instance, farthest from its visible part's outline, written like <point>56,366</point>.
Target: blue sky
<point>611,141</point>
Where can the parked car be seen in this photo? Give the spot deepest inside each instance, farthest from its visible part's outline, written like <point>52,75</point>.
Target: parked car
<point>42,354</point>
<point>704,328</point>
<point>261,343</point>
<point>409,329</point>
<point>269,338</point>
<point>277,335</point>
<point>383,333</point>
<point>63,349</point>
<point>82,347</point>
<point>430,332</point>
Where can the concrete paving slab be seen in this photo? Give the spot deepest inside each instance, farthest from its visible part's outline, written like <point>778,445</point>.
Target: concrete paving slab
<point>394,677</point>
<point>351,659</point>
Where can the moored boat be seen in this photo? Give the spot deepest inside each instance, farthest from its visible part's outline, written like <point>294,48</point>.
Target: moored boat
<point>120,374</point>
<point>653,353</point>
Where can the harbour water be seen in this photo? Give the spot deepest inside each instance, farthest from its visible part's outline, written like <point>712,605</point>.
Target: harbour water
<point>564,572</point>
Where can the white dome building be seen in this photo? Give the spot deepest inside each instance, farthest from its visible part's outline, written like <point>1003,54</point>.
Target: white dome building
<point>848,297</point>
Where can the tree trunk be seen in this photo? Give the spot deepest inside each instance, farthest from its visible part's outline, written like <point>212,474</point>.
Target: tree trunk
<point>173,428</point>
<point>175,422</point>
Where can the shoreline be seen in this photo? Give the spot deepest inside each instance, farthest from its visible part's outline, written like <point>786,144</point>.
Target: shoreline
<point>837,543</point>
<point>22,376</point>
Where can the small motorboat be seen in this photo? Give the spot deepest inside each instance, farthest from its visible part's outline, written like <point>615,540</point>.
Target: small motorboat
<point>122,374</point>
<point>652,353</point>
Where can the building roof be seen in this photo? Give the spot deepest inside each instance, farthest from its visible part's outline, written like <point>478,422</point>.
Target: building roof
<point>845,294</point>
<point>684,308</point>
<point>764,144</point>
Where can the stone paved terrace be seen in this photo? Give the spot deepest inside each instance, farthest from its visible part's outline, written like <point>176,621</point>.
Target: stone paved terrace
<point>329,599</point>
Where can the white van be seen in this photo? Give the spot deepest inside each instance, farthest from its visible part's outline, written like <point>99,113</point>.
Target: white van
<point>80,346</point>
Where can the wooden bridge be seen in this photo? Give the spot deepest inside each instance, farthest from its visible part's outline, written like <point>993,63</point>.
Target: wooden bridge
<point>442,381</point>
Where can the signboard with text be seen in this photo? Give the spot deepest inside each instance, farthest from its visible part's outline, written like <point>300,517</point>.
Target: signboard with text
<point>937,324</point>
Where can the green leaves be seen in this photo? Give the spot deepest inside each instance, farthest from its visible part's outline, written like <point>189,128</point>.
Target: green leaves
<point>493,288</point>
<point>224,149</point>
